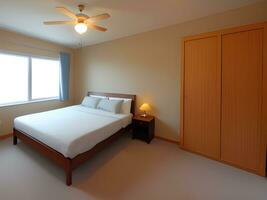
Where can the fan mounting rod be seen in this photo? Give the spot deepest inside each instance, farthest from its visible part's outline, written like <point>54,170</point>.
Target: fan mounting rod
<point>81,7</point>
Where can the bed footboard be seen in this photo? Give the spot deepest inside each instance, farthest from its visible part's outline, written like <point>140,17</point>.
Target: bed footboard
<point>66,163</point>
<point>58,158</point>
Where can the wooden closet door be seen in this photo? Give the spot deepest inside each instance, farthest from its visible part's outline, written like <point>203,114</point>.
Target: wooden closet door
<point>202,94</point>
<point>242,55</point>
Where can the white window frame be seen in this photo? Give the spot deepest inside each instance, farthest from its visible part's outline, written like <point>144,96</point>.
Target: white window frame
<point>30,100</point>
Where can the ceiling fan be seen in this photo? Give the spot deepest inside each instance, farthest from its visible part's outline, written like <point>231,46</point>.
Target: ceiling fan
<point>80,20</point>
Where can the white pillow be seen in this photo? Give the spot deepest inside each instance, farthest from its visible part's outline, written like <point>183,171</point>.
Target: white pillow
<point>113,106</point>
<point>90,102</point>
<point>125,106</point>
<point>98,96</point>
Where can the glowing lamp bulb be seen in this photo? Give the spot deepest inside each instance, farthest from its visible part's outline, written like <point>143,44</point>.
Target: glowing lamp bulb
<point>80,28</point>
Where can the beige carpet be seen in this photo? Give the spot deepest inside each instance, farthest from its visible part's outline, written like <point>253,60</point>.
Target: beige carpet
<point>126,170</point>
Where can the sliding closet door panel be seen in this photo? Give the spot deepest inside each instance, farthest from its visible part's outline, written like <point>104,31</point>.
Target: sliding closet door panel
<point>202,94</point>
<point>264,106</point>
<point>242,98</point>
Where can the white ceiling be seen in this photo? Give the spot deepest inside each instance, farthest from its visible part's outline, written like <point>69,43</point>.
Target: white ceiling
<point>129,17</point>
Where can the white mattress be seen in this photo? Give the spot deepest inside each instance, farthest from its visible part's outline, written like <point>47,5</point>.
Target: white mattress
<point>72,130</point>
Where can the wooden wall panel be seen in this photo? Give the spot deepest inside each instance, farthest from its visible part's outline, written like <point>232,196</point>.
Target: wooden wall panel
<point>242,99</point>
<point>202,94</point>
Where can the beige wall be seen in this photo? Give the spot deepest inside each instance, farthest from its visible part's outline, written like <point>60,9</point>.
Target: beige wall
<point>13,42</point>
<point>148,64</point>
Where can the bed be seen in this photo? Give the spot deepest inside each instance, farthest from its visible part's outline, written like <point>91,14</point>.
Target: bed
<point>70,136</point>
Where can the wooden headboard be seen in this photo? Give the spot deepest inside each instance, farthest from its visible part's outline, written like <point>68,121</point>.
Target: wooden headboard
<point>126,96</point>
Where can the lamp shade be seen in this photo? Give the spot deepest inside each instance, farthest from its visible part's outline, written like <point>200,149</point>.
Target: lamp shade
<point>145,107</point>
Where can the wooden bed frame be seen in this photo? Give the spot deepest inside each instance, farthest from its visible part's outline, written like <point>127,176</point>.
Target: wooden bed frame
<point>69,164</point>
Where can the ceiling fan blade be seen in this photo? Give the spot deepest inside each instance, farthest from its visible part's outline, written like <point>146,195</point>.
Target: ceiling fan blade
<point>93,26</point>
<point>99,17</point>
<point>67,12</point>
<point>59,22</point>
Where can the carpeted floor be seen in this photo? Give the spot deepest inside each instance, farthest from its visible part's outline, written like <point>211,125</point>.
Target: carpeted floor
<point>126,170</point>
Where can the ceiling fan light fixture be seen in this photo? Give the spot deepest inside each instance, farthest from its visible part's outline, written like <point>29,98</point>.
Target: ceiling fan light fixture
<point>80,28</point>
<point>80,20</point>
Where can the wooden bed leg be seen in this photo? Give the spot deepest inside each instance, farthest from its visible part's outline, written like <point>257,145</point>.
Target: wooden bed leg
<point>15,140</point>
<point>68,171</point>
<point>68,178</point>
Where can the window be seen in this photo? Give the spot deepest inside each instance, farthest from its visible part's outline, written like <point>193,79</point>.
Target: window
<point>26,79</point>
<point>45,78</point>
<point>13,78</point>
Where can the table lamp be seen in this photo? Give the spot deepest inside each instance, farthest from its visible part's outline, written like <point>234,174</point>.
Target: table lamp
<point>145,107</point>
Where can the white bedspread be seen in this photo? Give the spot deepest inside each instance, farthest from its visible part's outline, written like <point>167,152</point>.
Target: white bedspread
<point>72,130</point>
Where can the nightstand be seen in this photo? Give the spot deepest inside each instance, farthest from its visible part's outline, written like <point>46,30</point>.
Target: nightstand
<point>143,128</point>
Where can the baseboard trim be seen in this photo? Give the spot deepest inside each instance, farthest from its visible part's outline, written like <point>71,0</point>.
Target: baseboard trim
<point>168,140</point>
<point>3,137</point>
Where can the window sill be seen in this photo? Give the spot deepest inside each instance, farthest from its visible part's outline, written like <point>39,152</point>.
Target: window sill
<point>29,102</point>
